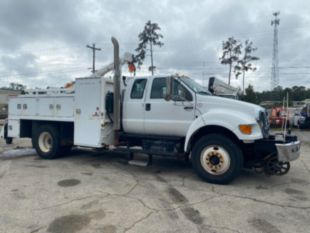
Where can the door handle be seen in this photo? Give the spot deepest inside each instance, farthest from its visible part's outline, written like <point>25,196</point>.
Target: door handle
<point>148,107</point>
<point>188,107</point>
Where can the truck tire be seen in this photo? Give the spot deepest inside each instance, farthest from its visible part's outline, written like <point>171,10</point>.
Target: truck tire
<point>8,141</point>
<point>217,159</point>
<point>46,141</point>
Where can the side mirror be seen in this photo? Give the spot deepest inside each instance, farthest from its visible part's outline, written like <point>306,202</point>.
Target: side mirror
<point>169,88</point>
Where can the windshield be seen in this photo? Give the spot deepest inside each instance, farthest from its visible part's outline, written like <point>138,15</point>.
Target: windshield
<point>196,87</point>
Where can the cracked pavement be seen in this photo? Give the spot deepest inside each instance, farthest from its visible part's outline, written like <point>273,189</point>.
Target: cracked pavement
<point>92,192</point>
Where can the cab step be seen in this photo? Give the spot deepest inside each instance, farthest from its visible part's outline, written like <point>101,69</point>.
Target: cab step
<point>140,160</point>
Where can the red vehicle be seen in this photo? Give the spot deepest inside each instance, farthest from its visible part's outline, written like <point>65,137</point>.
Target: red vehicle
<point>278,117</point>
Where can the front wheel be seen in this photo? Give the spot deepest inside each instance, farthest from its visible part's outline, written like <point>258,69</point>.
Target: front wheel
<point>217,159</point>
<point>46,141</point>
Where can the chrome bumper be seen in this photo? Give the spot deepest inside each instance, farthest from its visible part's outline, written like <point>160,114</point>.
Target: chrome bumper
<point>288,151</point>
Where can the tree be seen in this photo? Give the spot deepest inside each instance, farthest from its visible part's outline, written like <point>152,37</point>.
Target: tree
<point>17,86</point>
<point>149,37</point>
<point>231,52</point>
<point>250,95</point>
<point>245,63</point>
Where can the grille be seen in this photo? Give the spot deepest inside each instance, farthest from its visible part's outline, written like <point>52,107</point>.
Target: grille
<point>263,119</point>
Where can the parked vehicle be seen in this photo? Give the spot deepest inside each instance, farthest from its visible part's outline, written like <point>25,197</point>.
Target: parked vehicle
<point>170,116</point>
<point>278,117</point>
<point>304,120</point>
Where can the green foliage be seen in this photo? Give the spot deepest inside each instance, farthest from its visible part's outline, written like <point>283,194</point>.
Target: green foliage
<point>231,53</point>
<point>250,95</point>
<point>296,93</point>
<point>15,87</point>
<point>245,63</point>
<point>149,37</point>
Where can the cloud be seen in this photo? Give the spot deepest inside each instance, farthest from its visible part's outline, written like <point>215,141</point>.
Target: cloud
<point>23,64</point>
<point>48,38</point>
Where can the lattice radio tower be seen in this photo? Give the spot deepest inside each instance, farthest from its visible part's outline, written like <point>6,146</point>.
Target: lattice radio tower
<point>275,58</point>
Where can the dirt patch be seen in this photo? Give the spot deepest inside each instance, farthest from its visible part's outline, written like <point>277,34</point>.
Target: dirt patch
<point>108,229</point>
<point>96,165</point>
<point>90,204</point>
<point>160,179</point>
<point>176,196</point>
<point>293,191</point>
<point>68,182</point>
<point>261,187</point>
<point>299,181</point>
<point>193,215</point>
<point>37,166</point>
<point>264,226</point>
<point>97,214</point>
<point>301,198</point>
<point>87,173</point>
<point>69,224</point>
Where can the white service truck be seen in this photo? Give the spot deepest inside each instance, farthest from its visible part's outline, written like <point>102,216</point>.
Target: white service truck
<point>159,115</point>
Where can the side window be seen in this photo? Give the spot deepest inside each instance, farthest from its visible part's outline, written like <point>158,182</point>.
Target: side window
<point>138,89</point>
<point>158,88</point>
<point>180,92</point>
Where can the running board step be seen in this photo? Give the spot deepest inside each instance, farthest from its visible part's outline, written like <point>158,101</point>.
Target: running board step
<point>140,162</point>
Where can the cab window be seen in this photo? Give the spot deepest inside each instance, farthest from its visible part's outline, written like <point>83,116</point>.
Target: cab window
<point>159,88</point>
<point>180,92</point>
<point>137,90</point>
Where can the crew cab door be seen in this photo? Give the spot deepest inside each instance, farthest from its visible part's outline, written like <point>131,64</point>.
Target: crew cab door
<point>133,107</point>
<point>173,117</point>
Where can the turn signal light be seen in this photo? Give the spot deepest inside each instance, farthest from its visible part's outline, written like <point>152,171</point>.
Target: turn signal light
<point>245,129</point>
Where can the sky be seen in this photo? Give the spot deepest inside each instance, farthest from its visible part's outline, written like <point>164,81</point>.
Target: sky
<point>43,42</point>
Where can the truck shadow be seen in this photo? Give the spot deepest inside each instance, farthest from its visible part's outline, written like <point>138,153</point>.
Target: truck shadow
<point>161,165</point>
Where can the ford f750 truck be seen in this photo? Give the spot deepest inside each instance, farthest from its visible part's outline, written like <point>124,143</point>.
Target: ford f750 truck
<point>169,116</point>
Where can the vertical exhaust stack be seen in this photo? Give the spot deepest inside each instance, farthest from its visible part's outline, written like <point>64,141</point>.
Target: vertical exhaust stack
<point>117,87</point>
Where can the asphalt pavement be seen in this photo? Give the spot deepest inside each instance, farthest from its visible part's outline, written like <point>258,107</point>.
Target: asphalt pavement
<point>95,192</point>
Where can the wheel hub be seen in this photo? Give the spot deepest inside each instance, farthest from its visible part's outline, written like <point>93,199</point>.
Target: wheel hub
<point>45,142</point>
<point>215,160</point>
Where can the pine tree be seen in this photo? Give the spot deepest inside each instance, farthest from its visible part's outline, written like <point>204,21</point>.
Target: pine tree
<point>244,64</point>
<point>149,37</point>
<point>231,52</point>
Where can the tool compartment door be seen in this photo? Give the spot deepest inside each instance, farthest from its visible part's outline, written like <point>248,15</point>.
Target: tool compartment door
<point>87,119</point>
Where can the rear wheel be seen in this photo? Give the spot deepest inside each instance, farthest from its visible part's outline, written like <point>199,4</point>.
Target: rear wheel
<point>46,141</point>
<point>217,159</point>
<point>8,140</point>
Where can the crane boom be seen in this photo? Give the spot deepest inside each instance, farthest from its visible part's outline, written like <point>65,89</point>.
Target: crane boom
<point>127,58</point>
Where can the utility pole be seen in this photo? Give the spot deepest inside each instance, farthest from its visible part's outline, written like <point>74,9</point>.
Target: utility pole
<point>275,59</point>
<point>94,55</point>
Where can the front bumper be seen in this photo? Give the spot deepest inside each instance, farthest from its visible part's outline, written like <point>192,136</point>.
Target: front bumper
<point>288,151</point>
<point>285,150</point>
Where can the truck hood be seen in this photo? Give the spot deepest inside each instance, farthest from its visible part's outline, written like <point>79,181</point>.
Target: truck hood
<point>208,103</point>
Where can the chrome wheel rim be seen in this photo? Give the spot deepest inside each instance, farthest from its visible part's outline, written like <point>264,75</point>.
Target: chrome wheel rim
<point>45,142</point>
<point>215,159</point>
